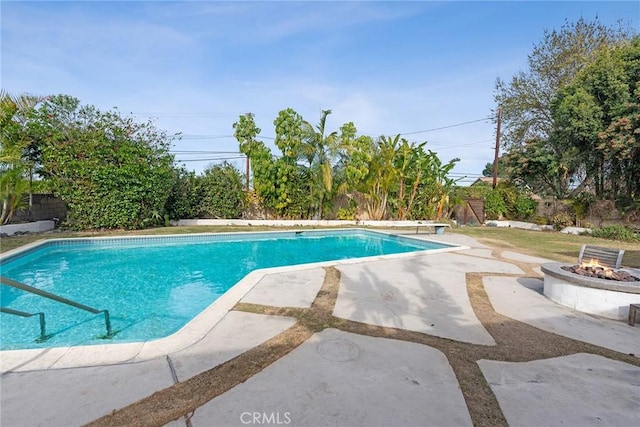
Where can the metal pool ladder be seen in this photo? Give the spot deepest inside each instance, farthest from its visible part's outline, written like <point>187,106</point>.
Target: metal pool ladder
<point>14,284</point>
<point>43,334</point>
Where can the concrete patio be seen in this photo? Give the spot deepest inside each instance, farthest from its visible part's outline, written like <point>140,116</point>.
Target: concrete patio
<point>443,339</point>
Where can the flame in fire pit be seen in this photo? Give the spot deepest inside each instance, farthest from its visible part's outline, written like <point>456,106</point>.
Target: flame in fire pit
<point>593,263</point>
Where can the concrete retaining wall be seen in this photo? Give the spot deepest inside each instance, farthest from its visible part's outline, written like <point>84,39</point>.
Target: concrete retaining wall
<point>29,227</point>
<point>304,222</point>
<point>520,224</point>
<point>44,207</point>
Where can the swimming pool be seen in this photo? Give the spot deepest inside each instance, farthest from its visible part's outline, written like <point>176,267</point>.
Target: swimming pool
<point>153,286</point>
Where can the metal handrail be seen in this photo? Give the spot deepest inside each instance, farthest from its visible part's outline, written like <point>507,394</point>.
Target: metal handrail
<point>43,334</point>
<point>31,289</point>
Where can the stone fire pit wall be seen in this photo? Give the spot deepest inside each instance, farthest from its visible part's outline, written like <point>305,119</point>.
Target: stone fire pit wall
<point>606,298</point>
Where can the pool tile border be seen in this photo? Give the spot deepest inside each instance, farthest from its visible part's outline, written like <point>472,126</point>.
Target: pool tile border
<point>195,237</point>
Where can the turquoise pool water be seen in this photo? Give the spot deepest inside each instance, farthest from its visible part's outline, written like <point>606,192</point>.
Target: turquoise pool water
<point>153,286</point>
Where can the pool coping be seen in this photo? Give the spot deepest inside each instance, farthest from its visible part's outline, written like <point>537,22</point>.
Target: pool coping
<point>189,334</point>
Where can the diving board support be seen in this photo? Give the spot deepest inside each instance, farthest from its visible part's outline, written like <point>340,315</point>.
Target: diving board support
<point>49,295</point>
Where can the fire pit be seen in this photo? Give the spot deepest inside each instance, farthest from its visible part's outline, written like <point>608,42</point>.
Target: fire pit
<point>594,269</point>
<point>592,288</point>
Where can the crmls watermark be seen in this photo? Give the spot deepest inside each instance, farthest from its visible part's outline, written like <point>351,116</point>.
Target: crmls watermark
<point>266,418</point>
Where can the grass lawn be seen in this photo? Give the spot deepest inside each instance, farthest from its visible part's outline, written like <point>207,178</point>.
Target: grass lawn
<point>548,244</point>
<point>552,245</point>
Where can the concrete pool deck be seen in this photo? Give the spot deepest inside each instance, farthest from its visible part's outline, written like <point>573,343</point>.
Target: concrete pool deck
<point>403,342</point>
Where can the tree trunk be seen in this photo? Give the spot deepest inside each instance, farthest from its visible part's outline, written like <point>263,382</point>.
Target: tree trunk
<point>4,215</point>
<point>401,210</point>
<point>414,191</point>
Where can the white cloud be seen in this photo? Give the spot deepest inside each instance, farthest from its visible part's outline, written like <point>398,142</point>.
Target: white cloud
<point>388,67</point>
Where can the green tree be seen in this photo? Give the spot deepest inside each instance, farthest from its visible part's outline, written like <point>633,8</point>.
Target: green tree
<point>527,99</point>
<point>621,143</point>
<point>260,158</point>
<point>390,173</point>
<point>282,185</point>
<point>542,168</point>
<point>317,150</point>
<point>321,150</point>
<point>410,162</point>
<point>398,178</point>
<point>443,183</point>
<point>246,131</point>
<point>503,168</point>
<point>294,184</point>
<point>305,179</point>
<point>110,170</point>
<point>371,171</point>
<point>591,110</point>
<point>434,195</point>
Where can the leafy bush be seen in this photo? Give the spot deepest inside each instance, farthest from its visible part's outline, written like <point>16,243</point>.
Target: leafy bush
<point>561,221</point>
<point>616,232</point>
<point>222,192</point>
<point>494,205</point>
<point>184,198</point>
<point>509,194</point>
<point>541,220</point>
<point>347,214</point>
<point>110,170</point>
<point>508,202</point>
<point>525,207</point>
<point>41,186</point>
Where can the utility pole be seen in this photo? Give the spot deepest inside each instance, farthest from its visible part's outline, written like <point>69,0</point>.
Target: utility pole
<point>495,158</point>
<point>247,185</point>
<point>249,116</point>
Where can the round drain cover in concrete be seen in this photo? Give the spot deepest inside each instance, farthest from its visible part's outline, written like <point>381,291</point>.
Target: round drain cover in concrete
<point>338,350</point>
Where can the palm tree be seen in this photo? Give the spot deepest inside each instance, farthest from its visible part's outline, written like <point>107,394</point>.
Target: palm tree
<point>15,146</point>
<point>319,150</point>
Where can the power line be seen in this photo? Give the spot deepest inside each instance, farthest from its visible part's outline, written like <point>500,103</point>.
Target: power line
<point>209,159</point>
<point>461,145</point>
<point>202,152</point>
<point>192,137</point>
<point>447,127</point>
<point>182,115</point>
<point>224,114</point>
<point>205,136</point>
<point>446,143</point>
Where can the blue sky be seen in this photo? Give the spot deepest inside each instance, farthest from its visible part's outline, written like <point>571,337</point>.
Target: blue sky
<point>195,66</point>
